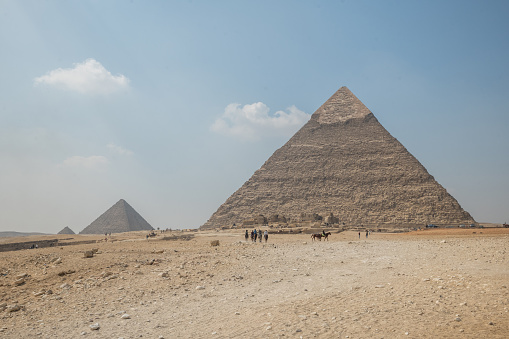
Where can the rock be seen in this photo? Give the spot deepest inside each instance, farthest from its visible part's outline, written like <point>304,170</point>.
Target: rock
<point>95,250</point>
<point>65,286</point>
<point>95,327</point>
<point>200,287</point>
<point>268,328</point>
<point>22,276</point>
<point>214,243</point>
<point>164,274</point>
<point>88,254</point>
<point>106,274</point>
<point>126,316</point>
<point>19,282</point>
<point>62,273</point>
<point>58,261</point>
<point>158,251</point>
<point>13,308</point>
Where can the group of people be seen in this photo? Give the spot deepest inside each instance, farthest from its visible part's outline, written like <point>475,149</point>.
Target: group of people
<point>257,235</point>
<point>368,232</point>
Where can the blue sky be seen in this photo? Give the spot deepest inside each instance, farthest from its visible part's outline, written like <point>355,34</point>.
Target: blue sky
<point>172,105</point>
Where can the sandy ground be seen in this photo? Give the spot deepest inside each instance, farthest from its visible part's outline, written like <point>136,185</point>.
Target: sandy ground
<point>427,284</point>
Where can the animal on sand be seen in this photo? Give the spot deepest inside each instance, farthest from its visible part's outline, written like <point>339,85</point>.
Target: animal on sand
<point>319,236</point>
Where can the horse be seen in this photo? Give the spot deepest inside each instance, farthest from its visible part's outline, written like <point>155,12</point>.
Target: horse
<point>316,236</point>
<point>319,236</point>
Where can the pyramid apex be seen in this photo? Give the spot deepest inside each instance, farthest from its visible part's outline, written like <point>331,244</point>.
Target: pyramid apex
<point>341,106</point>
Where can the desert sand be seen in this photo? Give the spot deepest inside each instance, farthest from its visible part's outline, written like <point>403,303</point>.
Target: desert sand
<point>445,283</point>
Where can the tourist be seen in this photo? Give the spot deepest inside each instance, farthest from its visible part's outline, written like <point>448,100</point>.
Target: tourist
<point>367,232</point>
<point>359,235</point>
<point>255,235</point>
<point>260,233</point>
<point>246,235</point>
<point>266,235</point>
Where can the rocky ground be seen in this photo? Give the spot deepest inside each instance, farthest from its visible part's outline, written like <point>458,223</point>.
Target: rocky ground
<point>435,283</point>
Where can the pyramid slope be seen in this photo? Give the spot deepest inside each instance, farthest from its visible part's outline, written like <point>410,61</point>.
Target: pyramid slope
<point>66,230</point>
<point>119,218</point>
<point>343,161</point>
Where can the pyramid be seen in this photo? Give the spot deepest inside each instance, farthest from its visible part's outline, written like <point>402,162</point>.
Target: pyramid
<point>121,217</point>
<point>66,230</point>
<point>342,161</point>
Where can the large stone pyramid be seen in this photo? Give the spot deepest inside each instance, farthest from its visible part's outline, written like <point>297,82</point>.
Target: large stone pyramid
<point>121,217</point>
<point>66,230</point>
<point>344,162</point>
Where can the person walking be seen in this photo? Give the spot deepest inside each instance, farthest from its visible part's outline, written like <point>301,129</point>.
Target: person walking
<point>266,235</point>
<point>255,235</point>
<point>367,232</point>
<point>260,233</point>
<point>246,236</point>
<point>359,235</point>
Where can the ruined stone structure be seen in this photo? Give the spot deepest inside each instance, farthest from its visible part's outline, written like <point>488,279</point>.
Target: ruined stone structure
<point>343,161</point>
<point>66,230</point>
<point>331,219</point>
<point>121,217</point>
<point>258,220</point>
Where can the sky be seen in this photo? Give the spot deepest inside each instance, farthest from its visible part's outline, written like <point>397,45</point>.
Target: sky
<point>173,105</point>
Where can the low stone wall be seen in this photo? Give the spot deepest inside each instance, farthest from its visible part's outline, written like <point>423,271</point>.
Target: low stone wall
<point>17,246</point>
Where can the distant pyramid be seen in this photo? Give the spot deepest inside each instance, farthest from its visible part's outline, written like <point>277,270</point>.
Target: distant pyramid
<point>121,217</point>
<point>66,230</point>
<point>343,161</point>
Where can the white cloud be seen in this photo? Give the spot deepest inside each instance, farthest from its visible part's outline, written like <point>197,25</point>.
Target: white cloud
<point>87,77</point>
<point>91,162</point>
<point>253,121</point>
<point>119,150</point>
